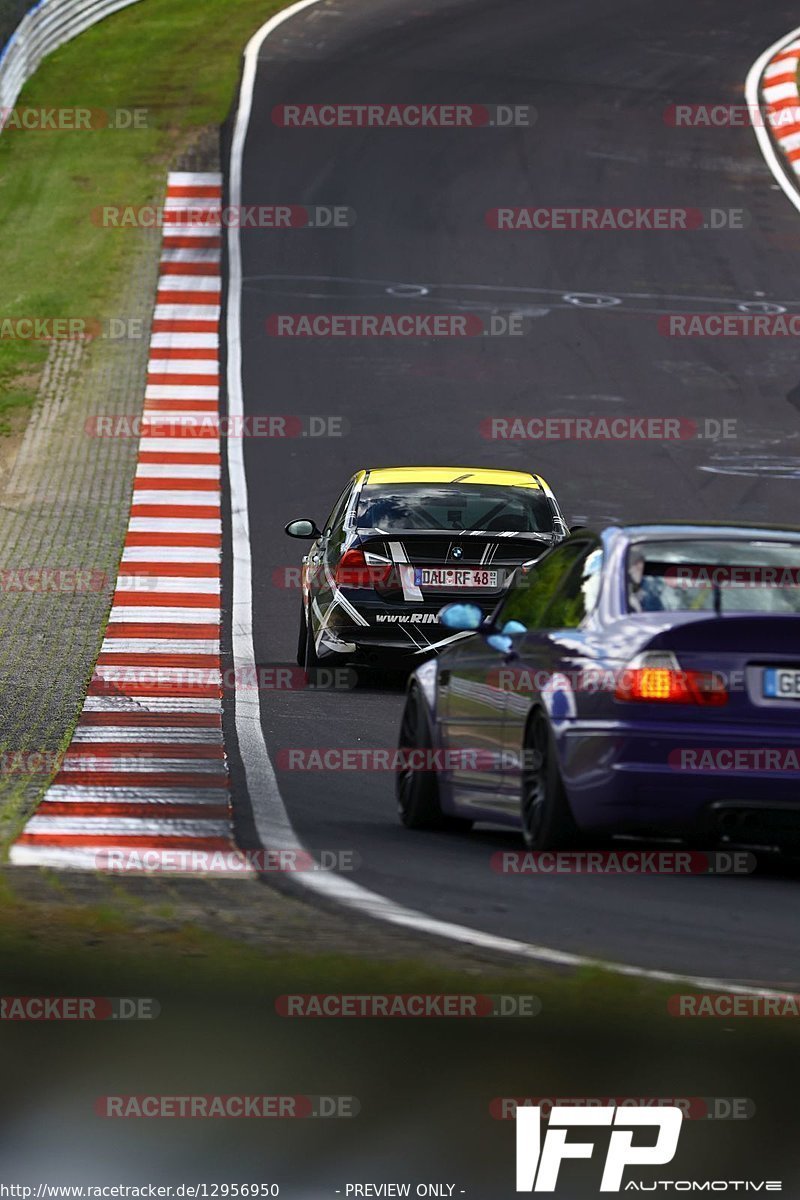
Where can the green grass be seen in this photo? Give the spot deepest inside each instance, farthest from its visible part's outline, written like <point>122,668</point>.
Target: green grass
<point>112,948</point>
<point>43,941</point>
<point>176,59</point>
<point>15,401</point>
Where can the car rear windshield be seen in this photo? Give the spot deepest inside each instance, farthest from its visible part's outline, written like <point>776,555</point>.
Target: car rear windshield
<point>484,508</point>
<point>743,576</point>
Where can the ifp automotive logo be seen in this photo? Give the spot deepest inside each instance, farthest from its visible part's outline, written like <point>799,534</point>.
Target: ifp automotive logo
<point>538,1163</point>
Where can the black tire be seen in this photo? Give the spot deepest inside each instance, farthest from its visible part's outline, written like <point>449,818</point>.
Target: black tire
<point>307,658</point>
<point>310,660</point>
<point>547,821</point>
<point>301,639</point>
<point>417,791</point>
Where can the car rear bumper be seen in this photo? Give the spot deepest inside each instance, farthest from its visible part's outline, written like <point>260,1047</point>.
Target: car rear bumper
<point>401,645</point>
<point>364,629</point>
<point>678,778</point>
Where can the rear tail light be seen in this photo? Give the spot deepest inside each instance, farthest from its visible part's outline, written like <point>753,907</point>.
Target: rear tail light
<point>659,678</point>
<point>357,570</point>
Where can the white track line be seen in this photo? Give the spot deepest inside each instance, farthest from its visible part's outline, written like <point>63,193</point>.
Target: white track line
<point>144,614</point>
<point>170,554</point>
<point>269,811</point>
<point>167,583</point>
<point>175,471</point>
<point>63,793</point>
<point>157,828</point>
<point>96,735</point>
<point>181,366</point>
<point>153,646</point>
<point>137,705</point>
<point>188,341</point>
<point>204,499</point>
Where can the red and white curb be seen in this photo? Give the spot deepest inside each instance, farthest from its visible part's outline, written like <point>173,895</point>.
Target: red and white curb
<point>781,101</point>
<point>144,783</point>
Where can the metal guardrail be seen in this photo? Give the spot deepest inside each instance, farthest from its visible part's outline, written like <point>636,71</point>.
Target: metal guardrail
<point>43,29</point>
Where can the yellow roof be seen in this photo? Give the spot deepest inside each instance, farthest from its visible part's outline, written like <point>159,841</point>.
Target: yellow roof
<point>463,475</point>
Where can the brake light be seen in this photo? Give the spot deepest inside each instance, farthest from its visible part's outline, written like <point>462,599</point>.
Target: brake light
<point>661,679</point>
<point>354,571</point>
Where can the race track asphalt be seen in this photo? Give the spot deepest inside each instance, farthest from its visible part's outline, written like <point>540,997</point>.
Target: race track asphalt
<point>600,77</point>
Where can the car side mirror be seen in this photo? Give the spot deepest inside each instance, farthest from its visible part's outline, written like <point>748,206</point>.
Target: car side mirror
<point>303,528</point>
<point>462,618</point>
<point>503,640</point>
<point>468,618</point>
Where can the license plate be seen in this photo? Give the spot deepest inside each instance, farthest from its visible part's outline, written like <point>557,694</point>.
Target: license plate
<point>453,577</point>
<point>782,683</point>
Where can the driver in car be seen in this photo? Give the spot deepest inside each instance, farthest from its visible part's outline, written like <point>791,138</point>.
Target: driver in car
<point>643,590</point>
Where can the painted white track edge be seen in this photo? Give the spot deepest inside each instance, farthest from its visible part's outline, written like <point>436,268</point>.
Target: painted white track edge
<point>269,811</point>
